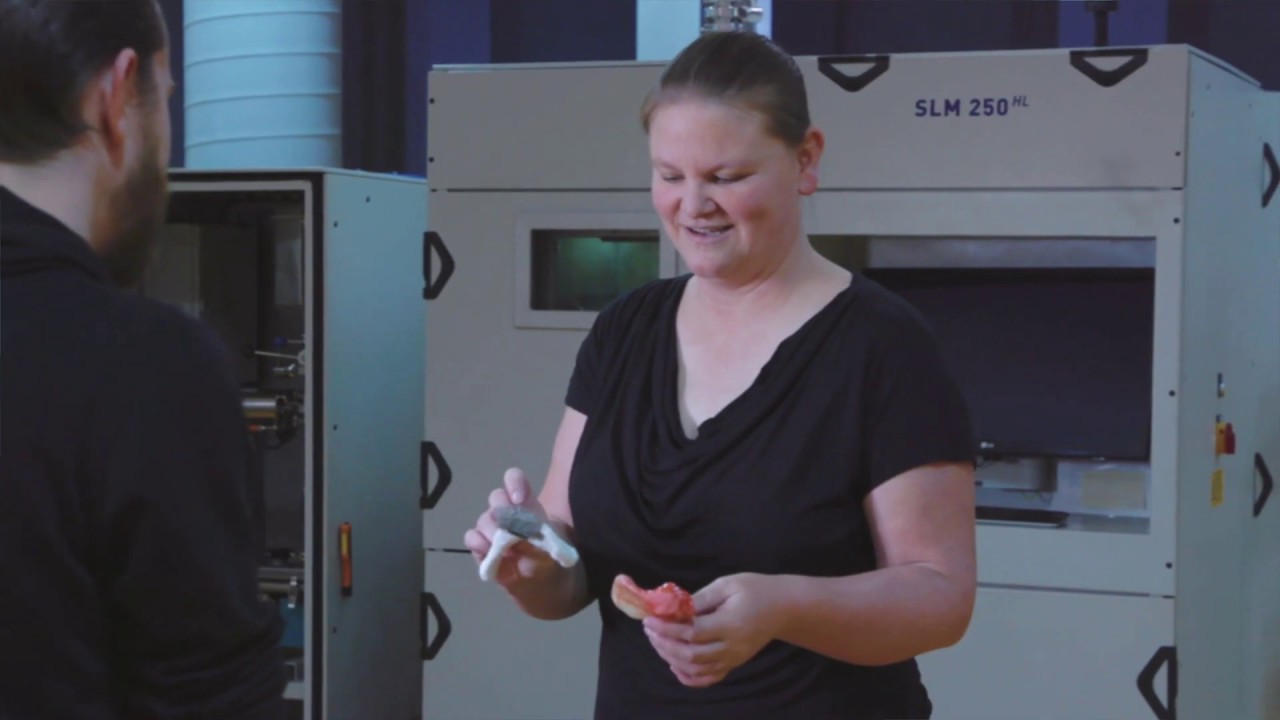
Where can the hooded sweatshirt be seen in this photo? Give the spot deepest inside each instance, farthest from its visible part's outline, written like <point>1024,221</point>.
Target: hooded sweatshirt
<point>127,530</point>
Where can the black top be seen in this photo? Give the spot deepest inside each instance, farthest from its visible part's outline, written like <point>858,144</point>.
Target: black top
<point>774,483</point>
<point>126,534</point>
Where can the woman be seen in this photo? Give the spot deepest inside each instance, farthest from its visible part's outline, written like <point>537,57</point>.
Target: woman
<point>771,432</point>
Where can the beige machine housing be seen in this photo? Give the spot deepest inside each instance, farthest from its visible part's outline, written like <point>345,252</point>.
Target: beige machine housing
<point>1152,589</point>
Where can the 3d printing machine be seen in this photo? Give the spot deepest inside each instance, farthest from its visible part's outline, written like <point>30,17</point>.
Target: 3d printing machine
<point>1094,236</point>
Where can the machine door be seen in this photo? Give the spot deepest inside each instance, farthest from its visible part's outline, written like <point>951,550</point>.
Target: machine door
<point>367,538</point>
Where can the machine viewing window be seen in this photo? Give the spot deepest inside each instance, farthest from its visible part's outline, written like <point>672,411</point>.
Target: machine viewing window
<point>1051,343</point>
<point>1053,362</point>
<point>584,270</point>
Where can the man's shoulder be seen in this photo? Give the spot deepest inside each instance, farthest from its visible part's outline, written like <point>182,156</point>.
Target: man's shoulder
<point>134,317</point>
<point>157,336</point>
<point>87,323</point>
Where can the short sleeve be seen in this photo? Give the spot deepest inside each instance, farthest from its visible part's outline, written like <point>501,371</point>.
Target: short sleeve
<point>584,383</point>
<point>622,327</point>
<point>915,410</point>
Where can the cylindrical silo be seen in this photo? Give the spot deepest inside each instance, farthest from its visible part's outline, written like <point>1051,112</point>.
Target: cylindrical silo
<point>263,83</point>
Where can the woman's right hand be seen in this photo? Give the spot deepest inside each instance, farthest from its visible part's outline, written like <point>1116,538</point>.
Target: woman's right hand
<point>521,562</point>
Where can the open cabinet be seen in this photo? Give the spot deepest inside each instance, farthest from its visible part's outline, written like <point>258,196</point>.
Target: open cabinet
<point>311,278</point>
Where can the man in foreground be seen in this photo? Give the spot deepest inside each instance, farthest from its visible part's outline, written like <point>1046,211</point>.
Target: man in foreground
<point>126,530</point>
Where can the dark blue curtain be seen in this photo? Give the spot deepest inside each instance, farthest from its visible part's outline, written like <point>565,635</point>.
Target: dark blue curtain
<point>437,32</point>
<point>374,102</point>
<point>1244,34</point>
<point>1133,22</point>
<point>389,47</point>
<point>562,30</point>
<point>429,33</point>
<point>805,27</point>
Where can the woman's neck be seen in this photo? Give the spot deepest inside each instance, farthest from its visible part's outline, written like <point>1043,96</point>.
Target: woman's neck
<point>800,272</point>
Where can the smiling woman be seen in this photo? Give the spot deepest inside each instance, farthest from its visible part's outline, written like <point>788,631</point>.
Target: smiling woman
<point>727,200</point>
<point>771,432</point>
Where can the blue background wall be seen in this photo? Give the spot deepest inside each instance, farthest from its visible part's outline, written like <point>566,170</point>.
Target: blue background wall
<point>389,45</point>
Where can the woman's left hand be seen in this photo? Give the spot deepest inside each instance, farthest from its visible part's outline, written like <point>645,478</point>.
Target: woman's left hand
<point>737,615</point>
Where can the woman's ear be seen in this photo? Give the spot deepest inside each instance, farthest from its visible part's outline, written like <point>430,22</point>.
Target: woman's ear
<point>810,155</point>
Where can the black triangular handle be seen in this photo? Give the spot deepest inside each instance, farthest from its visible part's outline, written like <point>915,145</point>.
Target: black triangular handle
<point>1147,682</point>
<point>827,65</point>
<point>1273,168</point>
<point>1108,78</point>
<point>429,603</point>
<point>1260,501</point>
<point>431,241</point>
<point>429,453</point>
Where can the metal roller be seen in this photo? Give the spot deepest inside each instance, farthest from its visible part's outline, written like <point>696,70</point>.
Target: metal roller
<point>270,412</point>
<point>263,408</point>
<point>276,587</point>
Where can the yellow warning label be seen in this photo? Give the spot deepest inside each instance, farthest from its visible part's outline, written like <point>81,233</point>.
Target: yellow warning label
<point>1218,490</point>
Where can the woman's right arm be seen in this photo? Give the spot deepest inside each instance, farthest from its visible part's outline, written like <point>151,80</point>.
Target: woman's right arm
<point>539,586</point>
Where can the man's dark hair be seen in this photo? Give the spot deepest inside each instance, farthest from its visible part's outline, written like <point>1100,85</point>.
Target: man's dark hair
<point>49,52</point>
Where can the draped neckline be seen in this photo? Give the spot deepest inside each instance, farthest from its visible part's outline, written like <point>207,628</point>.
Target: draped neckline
<point>669,375</point>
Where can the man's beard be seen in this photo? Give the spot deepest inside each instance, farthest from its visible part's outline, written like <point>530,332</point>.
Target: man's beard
<point>138,211</point>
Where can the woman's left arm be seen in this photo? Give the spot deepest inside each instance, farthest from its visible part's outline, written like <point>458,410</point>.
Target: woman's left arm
<point>920,597</point>
<point>922,594</point>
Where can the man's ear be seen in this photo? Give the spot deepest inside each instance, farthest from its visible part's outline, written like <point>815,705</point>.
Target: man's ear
<point>113,95</point>
<point>810,156</point>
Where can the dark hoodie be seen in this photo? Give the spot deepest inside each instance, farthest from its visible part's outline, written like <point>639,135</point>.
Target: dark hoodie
<point>127,539</point>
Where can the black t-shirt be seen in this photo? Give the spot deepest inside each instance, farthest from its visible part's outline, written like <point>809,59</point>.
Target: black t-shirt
<point>773,483</point>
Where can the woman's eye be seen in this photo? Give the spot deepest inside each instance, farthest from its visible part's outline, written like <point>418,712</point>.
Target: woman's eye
<point>724,180</point>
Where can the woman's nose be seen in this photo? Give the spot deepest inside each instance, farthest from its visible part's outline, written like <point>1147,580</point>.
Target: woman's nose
<point>696,200</point>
